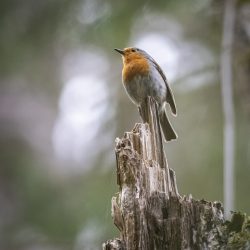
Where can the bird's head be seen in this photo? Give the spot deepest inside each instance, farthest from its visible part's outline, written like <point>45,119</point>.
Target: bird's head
<point>131,53</point>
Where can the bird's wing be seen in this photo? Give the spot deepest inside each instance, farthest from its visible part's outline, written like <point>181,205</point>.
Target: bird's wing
<point>170,96</point>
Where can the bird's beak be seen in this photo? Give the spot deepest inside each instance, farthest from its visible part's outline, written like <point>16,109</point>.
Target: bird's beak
<point>120,51</point>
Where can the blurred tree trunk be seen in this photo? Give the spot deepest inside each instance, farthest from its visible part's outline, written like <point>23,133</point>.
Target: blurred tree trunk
<point>228,104</point>
<point>149,212</point>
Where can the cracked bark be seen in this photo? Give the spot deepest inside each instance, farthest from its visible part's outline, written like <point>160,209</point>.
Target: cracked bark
<point>148,210</point>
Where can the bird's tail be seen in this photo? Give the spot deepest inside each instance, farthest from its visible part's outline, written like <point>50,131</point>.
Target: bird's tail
<point>167,129</point>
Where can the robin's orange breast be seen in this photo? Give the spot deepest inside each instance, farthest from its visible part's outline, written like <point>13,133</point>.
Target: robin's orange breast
<point>133,67</point>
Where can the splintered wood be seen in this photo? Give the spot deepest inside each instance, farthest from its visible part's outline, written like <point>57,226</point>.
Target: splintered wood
<point>148,211</point>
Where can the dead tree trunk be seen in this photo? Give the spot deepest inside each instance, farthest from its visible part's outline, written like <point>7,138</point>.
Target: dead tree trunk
<point>149,212</point>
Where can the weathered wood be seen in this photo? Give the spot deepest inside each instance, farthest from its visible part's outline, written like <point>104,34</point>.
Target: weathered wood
<point>148,211</point>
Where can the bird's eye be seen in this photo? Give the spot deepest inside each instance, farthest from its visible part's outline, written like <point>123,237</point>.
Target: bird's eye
<point>133,50</point>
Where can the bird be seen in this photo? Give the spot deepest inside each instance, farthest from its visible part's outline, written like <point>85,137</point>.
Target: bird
<point>143,77</point>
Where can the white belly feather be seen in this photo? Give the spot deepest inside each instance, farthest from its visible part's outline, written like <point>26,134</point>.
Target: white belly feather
<point>140,87</point>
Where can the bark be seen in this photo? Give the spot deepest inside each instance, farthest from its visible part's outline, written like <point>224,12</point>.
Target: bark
<point>148,210</point>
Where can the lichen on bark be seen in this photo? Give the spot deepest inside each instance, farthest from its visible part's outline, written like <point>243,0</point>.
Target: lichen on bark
<point>148,210</point>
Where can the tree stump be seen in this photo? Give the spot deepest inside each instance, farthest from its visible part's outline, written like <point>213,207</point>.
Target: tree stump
<point>148,210</point>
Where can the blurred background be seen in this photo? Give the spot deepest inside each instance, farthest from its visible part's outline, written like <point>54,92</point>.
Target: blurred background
<point>62,104</point>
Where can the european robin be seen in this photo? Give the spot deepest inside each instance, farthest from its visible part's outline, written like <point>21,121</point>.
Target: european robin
<point>143,77</point>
